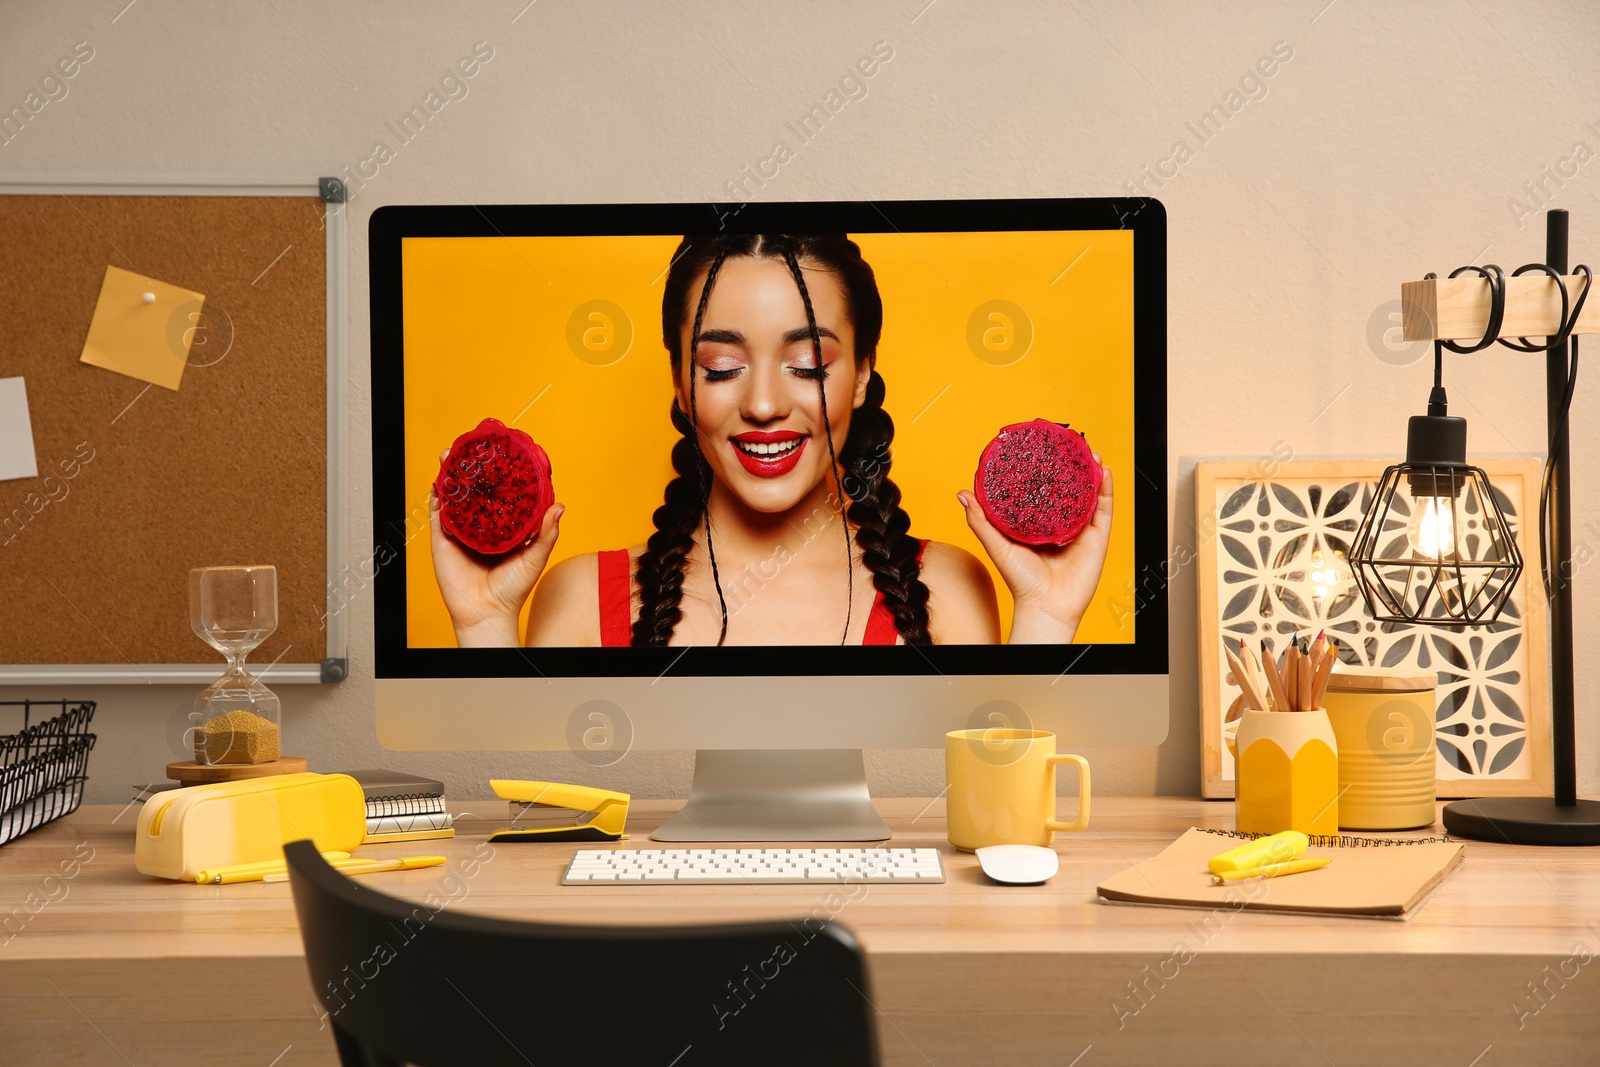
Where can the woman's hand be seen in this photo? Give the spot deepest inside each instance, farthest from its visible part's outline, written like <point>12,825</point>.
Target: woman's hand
<point>1052,585</point>
<point>485,598</point>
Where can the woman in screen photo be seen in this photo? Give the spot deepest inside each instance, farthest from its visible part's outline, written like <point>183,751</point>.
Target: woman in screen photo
<point>782,526</point>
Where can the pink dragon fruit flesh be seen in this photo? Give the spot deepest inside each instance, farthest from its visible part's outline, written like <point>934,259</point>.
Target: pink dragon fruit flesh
<point>1038,482</point>
<point>493,488</point>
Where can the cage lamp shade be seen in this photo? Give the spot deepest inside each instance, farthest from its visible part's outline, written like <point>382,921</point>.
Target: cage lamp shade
<point>1435,547</point>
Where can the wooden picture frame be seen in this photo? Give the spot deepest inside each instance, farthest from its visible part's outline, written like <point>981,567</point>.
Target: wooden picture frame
<point>1270,543</point>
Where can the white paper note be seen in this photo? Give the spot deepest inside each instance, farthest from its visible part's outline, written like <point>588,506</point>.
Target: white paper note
<point>16,432</point>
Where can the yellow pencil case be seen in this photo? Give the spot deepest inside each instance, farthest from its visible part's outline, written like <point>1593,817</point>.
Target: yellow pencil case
<point>185,831</point>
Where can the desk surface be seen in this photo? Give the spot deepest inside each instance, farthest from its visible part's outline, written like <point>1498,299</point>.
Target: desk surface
<point>969,971</point>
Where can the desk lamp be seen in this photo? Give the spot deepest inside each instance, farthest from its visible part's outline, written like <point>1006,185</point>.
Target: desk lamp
<point>1434,547</point>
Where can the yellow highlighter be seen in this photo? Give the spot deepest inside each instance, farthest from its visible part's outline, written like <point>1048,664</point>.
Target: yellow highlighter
<point>1271,870</point>
<point>1262,852</point>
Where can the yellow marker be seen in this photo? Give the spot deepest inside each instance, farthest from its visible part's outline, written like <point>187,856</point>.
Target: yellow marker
<point>248,872</point>
<point>404,863</point>
<point>1276,848</point>
<point>1271,870</point>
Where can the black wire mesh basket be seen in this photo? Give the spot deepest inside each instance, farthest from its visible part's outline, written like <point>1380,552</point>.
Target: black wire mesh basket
<point>43,765</point>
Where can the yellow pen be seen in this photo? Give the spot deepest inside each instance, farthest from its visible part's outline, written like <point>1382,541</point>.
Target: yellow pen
<point>404,863</point>
<point>1272,870</point>
<point>257,872</point>
<point>249,872</point>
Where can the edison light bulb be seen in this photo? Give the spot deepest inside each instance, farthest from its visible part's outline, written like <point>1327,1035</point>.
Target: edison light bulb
<point>1432,529</point>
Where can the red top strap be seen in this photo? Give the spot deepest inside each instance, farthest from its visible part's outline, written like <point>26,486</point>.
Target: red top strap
<point>616,604</point>
<point>616,599</point>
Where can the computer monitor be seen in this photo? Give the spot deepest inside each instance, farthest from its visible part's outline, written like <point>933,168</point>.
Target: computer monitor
<point>773,562</point>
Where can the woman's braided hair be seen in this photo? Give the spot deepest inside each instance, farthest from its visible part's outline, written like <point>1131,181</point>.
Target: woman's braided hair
<point>882,526</point>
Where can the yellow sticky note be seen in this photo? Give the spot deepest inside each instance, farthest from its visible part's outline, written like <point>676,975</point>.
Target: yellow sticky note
<point>143,338</point>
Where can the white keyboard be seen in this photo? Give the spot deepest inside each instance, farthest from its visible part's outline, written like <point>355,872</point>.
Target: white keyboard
<point>753,866</point>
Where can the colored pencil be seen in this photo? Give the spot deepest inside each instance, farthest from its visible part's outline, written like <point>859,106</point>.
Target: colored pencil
<point>1253,661</point>
<point>1303,677</point>
<point>1319,684</point>
<point>1246,684</point>
<point>1253,665</point>
<point>1274,680</point>
<point>1292,675</point>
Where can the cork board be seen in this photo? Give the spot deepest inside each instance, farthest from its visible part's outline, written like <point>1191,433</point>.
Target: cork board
<point>137,483</point>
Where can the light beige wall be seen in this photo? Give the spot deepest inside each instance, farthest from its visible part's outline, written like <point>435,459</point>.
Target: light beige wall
<point>1397,139</point>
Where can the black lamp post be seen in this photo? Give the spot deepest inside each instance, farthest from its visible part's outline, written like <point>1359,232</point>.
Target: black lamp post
<point>1445,579</point>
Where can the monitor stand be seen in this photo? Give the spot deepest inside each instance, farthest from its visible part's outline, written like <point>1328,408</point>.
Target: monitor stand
<point>777,795</point>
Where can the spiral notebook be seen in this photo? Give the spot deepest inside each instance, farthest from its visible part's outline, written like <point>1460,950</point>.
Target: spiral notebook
<point>1381,877</point>
<point>392,793</point>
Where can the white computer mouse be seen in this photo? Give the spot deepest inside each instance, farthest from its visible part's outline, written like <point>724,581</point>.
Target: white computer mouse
<point>1019,864</point>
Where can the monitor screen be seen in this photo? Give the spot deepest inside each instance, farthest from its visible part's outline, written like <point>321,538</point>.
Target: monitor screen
<point>604,443</point>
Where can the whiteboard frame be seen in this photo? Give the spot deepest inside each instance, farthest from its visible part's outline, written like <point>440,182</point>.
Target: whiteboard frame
<point>335,667</point>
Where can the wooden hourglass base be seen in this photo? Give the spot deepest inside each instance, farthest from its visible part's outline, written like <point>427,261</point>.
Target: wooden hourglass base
<point>191,773</point>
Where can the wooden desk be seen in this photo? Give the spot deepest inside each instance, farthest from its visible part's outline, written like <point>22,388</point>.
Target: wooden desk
<point>108,966</point>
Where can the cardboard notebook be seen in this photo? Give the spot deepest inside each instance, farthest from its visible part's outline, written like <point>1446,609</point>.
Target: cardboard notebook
<point>1383,877</point>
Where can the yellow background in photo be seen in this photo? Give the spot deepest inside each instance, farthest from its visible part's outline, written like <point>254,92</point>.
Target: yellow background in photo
<point>561,337</point>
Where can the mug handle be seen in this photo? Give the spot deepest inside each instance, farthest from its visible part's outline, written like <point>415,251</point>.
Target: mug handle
<point>1082,821</point>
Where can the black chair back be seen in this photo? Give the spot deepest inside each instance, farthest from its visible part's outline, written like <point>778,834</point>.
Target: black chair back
<point>406,982</point>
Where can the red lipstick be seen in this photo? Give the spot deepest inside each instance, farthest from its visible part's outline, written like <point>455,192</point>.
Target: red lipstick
<point>769,453</point>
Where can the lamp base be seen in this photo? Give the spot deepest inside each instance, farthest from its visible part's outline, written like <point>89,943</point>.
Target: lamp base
<point>1524,821</point>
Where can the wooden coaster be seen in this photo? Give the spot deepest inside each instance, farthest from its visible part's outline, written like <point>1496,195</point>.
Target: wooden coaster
<point>191,773</point>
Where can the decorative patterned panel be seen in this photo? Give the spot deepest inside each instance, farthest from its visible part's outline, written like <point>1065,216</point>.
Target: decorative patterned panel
<point>1272,564</point>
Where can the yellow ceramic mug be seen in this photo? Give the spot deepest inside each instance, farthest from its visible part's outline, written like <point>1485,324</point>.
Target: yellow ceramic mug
<point>1002,787</point>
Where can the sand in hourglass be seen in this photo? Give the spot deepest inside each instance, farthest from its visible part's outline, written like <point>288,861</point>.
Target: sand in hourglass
<point>238,736</point>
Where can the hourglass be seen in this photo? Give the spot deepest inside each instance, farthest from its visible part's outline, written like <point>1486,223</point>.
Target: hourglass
<point>234,609</point>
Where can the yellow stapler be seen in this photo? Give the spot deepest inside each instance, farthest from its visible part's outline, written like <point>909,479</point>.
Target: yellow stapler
<point>604,813</point>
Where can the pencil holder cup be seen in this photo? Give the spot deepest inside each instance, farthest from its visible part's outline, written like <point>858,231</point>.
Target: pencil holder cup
<point>1384,721</point>
<point>1287,775</point>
